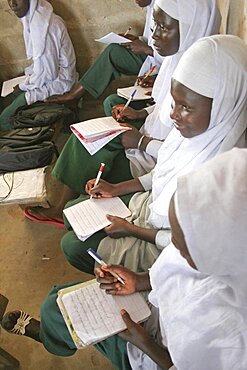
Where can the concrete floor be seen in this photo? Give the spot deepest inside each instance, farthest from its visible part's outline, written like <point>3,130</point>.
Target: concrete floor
<point>25,278</point>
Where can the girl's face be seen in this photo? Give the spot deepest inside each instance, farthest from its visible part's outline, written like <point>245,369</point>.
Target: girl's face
<point>19,7</point>
<point>190,111</point>
<point>165,33</point>
<point>177,238</point>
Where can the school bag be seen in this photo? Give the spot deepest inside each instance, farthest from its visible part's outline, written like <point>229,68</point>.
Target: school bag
<point>41,114</point>
<point>26,148</point>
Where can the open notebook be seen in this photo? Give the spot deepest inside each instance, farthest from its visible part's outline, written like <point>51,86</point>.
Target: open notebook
<point>142,93</point>
<point>91,315</point>
<point>8,86</point>
<point>113,38</point>
<point>96,133</point>
<point>89,216</point>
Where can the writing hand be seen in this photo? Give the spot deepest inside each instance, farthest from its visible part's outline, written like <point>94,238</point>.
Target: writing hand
<point>146,82</point>
<point>118,228</point>
<point>120,114</point>
<point>102,190</point>
<point>138,47</point>
<point>130,139</point>
<point>111,285</point>
<point>129,36</point>
<point>134,333</point>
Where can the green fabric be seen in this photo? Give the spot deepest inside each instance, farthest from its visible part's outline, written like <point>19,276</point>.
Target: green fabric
<point>114,99</point>
<point>75,166</point>
<point>15,101</point>
<point>74,250</point>
<point>57,340</point>
<point>111,63</point>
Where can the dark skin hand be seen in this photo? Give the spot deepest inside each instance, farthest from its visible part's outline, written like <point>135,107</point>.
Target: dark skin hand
<point>138,47</point>
<point>105,189</point>
<point>120,114</point>
<point>146,82</point>
<point>135,333</point>
<point>129,36</point>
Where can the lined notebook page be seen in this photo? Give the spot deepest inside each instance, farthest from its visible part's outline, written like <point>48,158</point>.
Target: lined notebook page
<point>95,146</point>
<point>142,93</point>
<point>98,126</point>
<point>95,315</point>
<point>89,216</point>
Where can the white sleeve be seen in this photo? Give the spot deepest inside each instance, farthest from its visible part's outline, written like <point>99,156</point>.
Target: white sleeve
<point>146,180</point>
<point>153,147</point>
<point>150,109</point>
<point>163,239</point>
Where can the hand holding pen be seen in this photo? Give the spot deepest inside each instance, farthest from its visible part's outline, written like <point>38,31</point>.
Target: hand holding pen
<point>141,81</point>
<point>99,259</point>
<point>126,105</point>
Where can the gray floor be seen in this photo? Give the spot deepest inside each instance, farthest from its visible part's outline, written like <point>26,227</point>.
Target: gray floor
<point>25,278</point>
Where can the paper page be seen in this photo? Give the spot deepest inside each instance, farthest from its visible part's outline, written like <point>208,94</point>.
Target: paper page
<point>97,127</point>
<point>95,146</point>
<point>89,216</point>
<point>112,38</point>
<point>142,93</point>
<point>8,86</point>
<point>95,315</point>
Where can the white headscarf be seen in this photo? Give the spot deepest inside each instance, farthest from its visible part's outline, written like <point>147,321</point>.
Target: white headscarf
<point>35,27</point>
<point>227,58</point>
<point>203,313</point>
<point>196,19</point>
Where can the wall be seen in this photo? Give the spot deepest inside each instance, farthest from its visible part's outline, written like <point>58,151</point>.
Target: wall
<point>87,20</point>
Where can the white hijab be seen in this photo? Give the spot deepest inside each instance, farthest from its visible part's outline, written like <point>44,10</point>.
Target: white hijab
<point>196,19</point>
<point>203,314</point>
<point>35,27</point>
<point>225,80</point>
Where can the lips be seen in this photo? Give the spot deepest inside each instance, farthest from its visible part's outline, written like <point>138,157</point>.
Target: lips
<point>177,126</point>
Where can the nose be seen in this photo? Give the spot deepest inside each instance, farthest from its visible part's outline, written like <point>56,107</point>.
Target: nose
<point>156,32</point>
<point>174,114</point>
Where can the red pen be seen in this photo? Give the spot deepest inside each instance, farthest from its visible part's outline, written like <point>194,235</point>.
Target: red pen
<point>101,169</point>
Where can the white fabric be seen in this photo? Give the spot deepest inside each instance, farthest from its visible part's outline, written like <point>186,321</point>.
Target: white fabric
<point>203,313</point>
<point>49,46</point>
<point>179,155</point>
<point>196,19</point>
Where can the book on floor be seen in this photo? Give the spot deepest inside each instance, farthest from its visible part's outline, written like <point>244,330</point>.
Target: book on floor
<point>95,133</point>
<point>91,315</point>
<point>142,93</point>
<point>8,86</point>
<point>89,216</point>
<point>113,38</point>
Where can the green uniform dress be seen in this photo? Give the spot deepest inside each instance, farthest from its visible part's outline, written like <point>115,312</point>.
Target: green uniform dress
<point>57,339</point>
<point>14,102</point>
<point>111,63</point>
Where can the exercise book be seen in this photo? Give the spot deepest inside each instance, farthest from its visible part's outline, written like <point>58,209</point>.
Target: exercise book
<point>113,38</point>
<point>142,93</point>
<point>89,216</point>
<point>94,134</point>
<point>91,315</point>
<point>8,86</point>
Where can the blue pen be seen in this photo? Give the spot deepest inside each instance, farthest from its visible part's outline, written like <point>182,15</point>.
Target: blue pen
<point>98,259</point>
<point>128,102</point>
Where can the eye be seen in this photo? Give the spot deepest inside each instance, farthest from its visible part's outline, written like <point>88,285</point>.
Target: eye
<point>186,107</point>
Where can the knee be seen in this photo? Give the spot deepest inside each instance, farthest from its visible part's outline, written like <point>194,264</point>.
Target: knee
<point>108,104</point>
<point>69,248</point>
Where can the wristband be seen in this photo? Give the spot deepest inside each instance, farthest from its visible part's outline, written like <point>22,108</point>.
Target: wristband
<point>140,142</point>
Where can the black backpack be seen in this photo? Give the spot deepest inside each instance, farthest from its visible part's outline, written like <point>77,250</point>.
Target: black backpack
<point>26,148</point>
<point>40,114</point>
